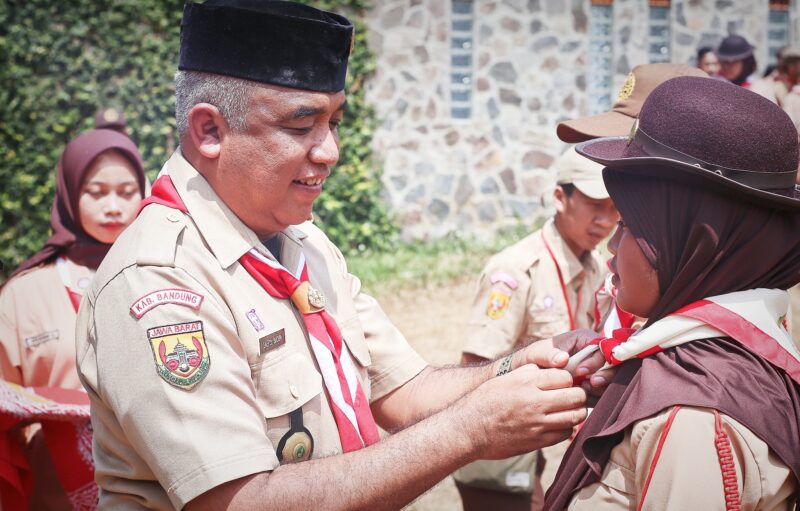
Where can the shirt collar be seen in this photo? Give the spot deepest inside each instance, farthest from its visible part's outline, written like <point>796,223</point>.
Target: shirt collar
<point>226,235</point>
<point>571,267</point>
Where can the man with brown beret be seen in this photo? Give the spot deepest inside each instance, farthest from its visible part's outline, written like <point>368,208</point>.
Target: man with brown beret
<point>231,359</point>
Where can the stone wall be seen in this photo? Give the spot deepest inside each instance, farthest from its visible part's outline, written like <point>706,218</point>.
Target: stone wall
<point>528,71</point>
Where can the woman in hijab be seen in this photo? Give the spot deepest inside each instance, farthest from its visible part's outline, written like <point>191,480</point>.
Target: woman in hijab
<point>736,60</point>
<point>100,184</point>
<point>704,410</point>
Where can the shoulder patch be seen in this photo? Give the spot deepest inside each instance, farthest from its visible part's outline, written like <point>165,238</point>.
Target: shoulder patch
<point>498,304</point>
<point>180,353</point>
<point>504,278</point>
<point>177,296</point>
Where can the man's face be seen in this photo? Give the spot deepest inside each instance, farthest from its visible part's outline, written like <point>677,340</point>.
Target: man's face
<point>271,173</point>
<point>584,222</point>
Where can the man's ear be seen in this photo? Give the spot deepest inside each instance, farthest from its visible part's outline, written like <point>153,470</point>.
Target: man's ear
<point>560,199</point>
<point>207,129</point>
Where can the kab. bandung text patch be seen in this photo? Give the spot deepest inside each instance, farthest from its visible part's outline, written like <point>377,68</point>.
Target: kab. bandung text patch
<point>177,296</point>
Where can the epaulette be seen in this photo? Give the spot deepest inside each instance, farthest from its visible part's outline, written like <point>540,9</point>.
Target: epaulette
<point>160,249</point>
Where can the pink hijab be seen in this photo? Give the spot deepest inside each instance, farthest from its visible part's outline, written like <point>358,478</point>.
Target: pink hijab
<point>68,236</point>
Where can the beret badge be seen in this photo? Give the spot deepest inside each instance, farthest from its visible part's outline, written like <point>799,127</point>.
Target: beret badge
<point>627,88</point>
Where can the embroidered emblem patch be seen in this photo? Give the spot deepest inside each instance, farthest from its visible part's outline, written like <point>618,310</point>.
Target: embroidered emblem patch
<point>548,302</point>
<point>498,304</point>
<point>255,320</point>
<point>180,352</point>
<point>627,87</point>
<point>178,296</point>
<point>272,341</point>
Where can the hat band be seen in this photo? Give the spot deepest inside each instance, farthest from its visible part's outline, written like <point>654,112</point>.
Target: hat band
<point>758,180</point>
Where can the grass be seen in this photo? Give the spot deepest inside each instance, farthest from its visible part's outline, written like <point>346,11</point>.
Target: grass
<point>428,263</point>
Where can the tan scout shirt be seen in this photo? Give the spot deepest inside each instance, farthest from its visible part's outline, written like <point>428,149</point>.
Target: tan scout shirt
<point>159,445</point>
<point>37,327</point>
<point>502,316</point>
<point>688,474</point>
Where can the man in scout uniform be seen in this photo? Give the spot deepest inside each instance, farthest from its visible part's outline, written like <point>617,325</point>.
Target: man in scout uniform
<point>223,338</point>
<point>539,287</point>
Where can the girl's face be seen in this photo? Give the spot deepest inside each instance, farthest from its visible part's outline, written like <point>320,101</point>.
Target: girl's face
<point>109,197</point>
<point>635,279</point>
<point>709,63</point>
<point>731,70</point>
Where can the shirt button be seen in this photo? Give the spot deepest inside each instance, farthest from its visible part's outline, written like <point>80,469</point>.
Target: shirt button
<point>293,390</point>
<point>173,217</point>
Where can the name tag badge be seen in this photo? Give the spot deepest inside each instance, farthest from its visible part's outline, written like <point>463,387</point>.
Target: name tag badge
<point>272,341</point>
<point>36,340</point>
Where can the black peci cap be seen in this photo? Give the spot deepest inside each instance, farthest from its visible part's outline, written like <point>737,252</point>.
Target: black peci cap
<point>272,41</point>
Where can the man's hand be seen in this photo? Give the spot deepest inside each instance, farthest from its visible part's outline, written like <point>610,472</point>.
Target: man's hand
<point>555,353</point>
<point>524,410</point>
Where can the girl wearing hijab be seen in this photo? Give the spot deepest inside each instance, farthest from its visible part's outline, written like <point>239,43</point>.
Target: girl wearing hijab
<point>736,60</point>
<point>100,183</point>
<point>704,410</point>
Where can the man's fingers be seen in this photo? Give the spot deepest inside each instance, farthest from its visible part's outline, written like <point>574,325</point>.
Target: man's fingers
<point>574,341</point>
<point>566,419</point>
<point>544,354</point>
<point>548,379</point>
<point>557,400</point>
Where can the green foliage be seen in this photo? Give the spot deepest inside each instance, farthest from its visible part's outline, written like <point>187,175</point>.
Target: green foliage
<point>423,264</point>
<point>62,61</point>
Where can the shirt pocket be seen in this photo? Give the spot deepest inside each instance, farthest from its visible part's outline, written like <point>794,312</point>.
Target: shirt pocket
<point>286,383</point>
<point>546,324</point>
<point>353,335</point>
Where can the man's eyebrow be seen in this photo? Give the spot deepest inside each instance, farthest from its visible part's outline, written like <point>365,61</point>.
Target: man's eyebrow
<point>306,111</point>
<point>310,111</point>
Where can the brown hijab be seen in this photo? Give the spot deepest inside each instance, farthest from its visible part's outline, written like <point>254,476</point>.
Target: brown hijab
<point>701,243</point>
<point>68,236</point>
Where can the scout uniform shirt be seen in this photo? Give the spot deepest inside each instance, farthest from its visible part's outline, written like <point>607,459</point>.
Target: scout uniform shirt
<point>37,325</point>
<point>763,480</point>
<point>172,292</point>
<point>520,296</point>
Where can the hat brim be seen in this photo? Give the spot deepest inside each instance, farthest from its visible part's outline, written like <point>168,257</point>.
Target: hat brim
<point>735,56</point>
<point>594,189</point>
<point>607,124</point>
<point>616,155</point>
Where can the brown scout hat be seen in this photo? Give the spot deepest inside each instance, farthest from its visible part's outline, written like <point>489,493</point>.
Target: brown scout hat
<point>638,85</point>
<point>713,134</point>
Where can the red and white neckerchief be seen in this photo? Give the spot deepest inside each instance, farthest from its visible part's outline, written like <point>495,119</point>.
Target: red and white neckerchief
<point>754,318</point>
<point>348,402</point>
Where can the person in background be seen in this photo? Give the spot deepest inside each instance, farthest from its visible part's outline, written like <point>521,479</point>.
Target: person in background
<point>703,184</point>
<point>99,187</point>
<point>777,85</point>
<point>539,287</point>
<point>737,61</point>
<point>707,60</point>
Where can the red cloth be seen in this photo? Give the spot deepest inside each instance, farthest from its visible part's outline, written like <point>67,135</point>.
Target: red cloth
<point>64,418</point>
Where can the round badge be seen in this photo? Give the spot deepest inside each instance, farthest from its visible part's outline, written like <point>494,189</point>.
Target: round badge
<point>315,298</point>
<point>634,129</point>
<point>297,447</point>
<point>548,302</point>
<point>84,282</point>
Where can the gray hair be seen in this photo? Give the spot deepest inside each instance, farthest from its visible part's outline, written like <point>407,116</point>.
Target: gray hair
<point>230,95</point>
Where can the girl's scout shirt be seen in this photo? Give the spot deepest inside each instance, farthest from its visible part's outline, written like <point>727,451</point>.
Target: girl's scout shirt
<point>172,292</point>
<point>520,296</point>
<point>37,326</point>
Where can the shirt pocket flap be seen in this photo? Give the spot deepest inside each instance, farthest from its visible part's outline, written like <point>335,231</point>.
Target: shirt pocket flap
<point>353,336</point>
<point>618,478</point>
<point>286,384</point>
